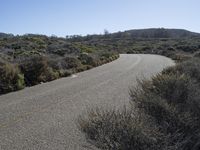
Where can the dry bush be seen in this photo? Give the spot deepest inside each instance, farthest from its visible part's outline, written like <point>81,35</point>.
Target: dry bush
<point>190,68</point>
<point>173,104</point>
<point>117,130</point>
<point>164,115</point>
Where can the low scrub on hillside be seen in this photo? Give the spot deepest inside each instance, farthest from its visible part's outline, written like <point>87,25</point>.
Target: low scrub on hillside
<point>40,58</point>
<point>36,69</point>
<point>164,114</point>
<point>62,57</point>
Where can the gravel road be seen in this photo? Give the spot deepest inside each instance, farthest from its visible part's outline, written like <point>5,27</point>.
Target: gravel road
<point>43,117</point>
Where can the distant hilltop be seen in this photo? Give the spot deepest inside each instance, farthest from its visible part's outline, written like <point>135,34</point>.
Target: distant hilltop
<point>157,33</point>
<point>138,33</point>
<point>5,35</point>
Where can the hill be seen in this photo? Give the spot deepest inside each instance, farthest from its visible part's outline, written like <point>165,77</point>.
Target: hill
<point>158,33</point>
<point>4,35</point>
<point>168,42</point>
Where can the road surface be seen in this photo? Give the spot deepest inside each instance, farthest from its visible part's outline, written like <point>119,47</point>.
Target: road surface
<point>44,117</point>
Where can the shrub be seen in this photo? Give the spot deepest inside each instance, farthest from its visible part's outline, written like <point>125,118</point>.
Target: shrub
<point>190,67</point>
<point>87,59</point>
<point>83,68</point>
<point>173,103</point>
<point>114,130</point>
<point>179,57</point>
<point>71,63</point>
<point>65,66</point>
<point>107,55</point>
<point>36,70</point>
<point>65,73</point>
<point>174,88</point>
<point>197,54</point>
<point>165,115</point>
<point>48,75</point>
<point>11,78</point>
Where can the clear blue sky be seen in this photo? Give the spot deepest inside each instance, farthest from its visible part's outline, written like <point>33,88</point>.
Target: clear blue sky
<point>68,17</point>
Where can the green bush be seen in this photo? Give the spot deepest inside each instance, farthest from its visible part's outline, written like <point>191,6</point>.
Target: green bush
<point>11,78</point>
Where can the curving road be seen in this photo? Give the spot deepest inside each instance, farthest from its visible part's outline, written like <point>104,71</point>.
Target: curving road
<point>43,117</point>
